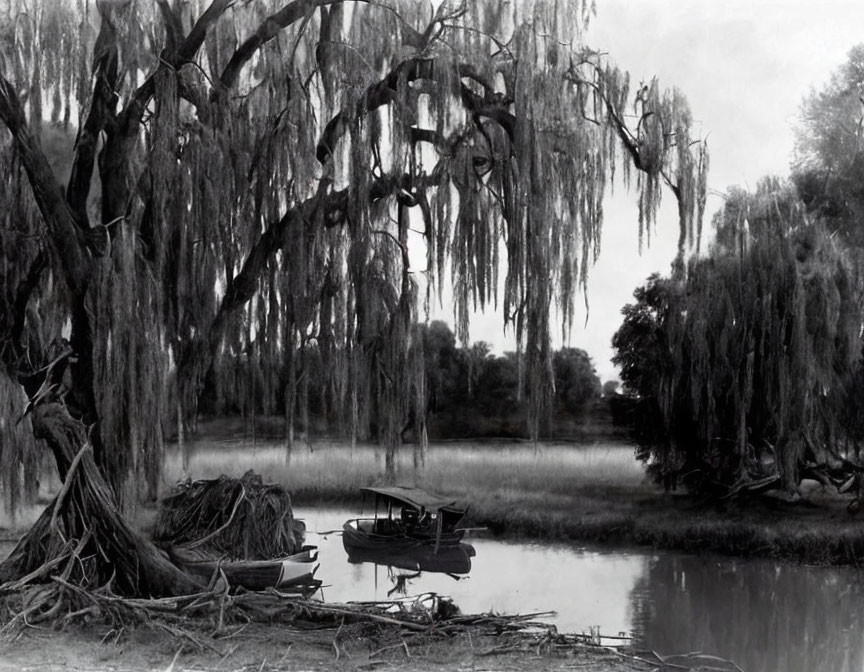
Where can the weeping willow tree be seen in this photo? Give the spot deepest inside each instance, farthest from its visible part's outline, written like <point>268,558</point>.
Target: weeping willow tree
<point>742,368</point>
<point>247,180</point>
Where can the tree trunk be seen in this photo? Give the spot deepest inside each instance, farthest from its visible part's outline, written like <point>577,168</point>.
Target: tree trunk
<point>85,513</point>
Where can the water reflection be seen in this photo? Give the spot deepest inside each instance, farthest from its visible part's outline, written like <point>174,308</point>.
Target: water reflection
<point>586,588</point>
<point>764,616</point>
<point>446,560</point>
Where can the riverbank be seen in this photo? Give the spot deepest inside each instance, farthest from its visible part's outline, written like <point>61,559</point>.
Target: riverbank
<point>277,648</point>
<point>581,492</point>
<point>817,530</point>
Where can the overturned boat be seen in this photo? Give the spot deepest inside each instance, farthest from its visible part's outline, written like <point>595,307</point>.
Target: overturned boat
<point>411,529</point>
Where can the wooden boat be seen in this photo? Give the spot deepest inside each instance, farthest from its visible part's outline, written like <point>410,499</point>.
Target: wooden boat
<point>411,519</point>
<point>293,571</point>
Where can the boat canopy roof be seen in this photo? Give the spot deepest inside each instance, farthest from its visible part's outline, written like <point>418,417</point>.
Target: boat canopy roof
<point>415,497</point>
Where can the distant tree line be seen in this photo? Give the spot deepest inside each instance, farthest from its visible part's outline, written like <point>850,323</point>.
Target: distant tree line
<point>473,393</point>
<point>469,392</point>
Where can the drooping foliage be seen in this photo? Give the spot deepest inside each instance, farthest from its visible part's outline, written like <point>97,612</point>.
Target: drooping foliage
<point>828,172</point>
<point>738,369</point>
<point>247,180</point>
<point>773,209</point>
<point>661,147</point>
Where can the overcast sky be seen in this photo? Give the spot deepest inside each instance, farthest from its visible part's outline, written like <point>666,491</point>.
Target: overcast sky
<point>744,66</point>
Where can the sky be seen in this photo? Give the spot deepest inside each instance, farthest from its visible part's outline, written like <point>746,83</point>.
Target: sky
<point>744,66</point>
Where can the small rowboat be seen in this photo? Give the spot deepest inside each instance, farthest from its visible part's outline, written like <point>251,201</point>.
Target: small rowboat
<point>293,571</point>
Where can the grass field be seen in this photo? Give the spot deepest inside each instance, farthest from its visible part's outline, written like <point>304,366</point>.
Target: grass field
<point>568,491</point>
<point>332,471</point>
<point>593,492</point>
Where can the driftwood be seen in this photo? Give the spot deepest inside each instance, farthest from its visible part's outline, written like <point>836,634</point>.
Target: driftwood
<point>210,620</point>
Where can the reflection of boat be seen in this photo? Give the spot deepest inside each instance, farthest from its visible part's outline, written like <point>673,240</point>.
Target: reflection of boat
<point>293,571</point>
<point>449,559</point>
<point>414,527</point>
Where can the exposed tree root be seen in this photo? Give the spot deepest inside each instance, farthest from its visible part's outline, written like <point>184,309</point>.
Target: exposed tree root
<point>82,530</point>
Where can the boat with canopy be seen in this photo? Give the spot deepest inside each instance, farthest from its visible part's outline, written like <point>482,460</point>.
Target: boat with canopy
<point>405,519</point>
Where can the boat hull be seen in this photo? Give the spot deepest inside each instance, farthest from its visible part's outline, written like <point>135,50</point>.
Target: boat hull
<point>359,534</point>
<point>449,554</point>
<point>294,570</point>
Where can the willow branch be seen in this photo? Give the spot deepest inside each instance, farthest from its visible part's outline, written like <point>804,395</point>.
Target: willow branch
<point>326,208</point>
<point>173,27</point>
<point>138,104</point>
<point>269,28</point>
<point>47,192</point>
<point>101,110</point>
<point>387,234</point>
<point>22,296</point>
<point>425,135</point>
<point>383,92</point>
<point>630,142</point>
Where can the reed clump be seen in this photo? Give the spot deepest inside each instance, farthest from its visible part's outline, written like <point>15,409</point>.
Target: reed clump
<point>234,518</point>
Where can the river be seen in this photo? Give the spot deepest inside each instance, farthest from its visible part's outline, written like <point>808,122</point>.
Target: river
<point>765,616</point>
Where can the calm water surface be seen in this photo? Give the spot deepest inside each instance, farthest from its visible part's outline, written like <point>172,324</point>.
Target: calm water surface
<point>765,616</point>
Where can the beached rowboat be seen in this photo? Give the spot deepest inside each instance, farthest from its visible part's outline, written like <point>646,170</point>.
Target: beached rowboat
<point>292,571</point>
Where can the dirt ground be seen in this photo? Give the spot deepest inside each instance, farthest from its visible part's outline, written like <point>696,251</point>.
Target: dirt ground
<point>261,648</point>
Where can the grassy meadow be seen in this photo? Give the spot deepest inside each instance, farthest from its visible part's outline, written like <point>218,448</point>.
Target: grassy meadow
<point>584,492</point>
<point>332,471</point>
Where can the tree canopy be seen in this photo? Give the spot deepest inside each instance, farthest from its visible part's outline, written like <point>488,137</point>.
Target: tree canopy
<point>249,177</point>
<point>742,368</point>
<point>246,177</point>
<point>746,373</point>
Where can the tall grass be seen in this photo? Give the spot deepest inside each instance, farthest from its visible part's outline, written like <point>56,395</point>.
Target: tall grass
<point>465,469</point>
<point>585,492</point>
